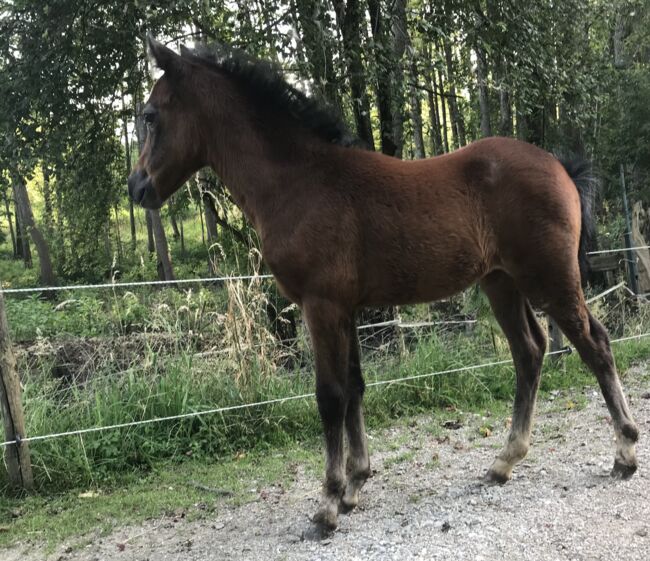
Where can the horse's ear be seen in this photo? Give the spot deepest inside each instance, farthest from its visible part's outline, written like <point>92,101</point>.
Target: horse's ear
<point>165,59</point>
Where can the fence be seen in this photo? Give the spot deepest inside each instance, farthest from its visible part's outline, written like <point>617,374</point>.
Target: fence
<point>16,443</point>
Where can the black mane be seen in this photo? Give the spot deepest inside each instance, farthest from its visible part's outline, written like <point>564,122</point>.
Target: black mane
<point>265,82</point>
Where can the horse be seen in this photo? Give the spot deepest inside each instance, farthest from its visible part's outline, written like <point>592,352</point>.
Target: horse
<point>342,228</point>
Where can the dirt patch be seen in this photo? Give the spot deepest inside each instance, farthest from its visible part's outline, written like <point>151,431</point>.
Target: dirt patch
<point>75,360</point>
<point>426,501</point>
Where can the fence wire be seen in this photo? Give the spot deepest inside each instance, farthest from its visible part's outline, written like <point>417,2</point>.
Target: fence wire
<point>116,285</point>
<point>283,399</point>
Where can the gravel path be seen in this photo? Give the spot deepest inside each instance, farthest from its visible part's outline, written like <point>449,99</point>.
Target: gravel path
<point>426,501</point>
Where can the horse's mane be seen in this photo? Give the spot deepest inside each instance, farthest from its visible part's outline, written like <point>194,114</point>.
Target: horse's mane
<point>265,83</point>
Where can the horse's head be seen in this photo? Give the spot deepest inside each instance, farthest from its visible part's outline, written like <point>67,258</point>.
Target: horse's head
<point>173,150</point>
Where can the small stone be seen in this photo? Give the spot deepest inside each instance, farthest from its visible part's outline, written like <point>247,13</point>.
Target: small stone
<point>642,532</point>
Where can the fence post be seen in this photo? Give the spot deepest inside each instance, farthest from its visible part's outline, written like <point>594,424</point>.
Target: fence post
<point>631,258</point>
<point>555,338</point>
<point>16,456</point>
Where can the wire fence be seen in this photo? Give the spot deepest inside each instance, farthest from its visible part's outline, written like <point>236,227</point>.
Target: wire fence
<point>117,285</point>
<point>377,383</point>
<point>378,329</point>
<point>206,280</point>
<point>396,323</point>
<point>618,250</point>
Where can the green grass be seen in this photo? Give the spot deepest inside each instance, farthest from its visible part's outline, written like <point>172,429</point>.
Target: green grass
<point>181,383</point>
<point>190,490</point>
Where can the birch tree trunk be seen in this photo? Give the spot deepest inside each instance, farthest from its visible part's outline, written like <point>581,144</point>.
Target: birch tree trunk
<point>483,94</point>
<point>11,225</point>
<point>24,208</point>
<point>458,125</point>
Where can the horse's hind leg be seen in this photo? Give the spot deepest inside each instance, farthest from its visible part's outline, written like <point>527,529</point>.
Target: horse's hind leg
<point>527,345</point>
<point>592,342</point>
<point>358,464</point>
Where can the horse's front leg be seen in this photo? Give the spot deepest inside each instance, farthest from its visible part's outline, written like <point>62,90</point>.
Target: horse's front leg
<point>330,327</point>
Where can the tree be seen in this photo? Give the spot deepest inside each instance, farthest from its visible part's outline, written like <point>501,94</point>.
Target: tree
<point>24,208</point>
<point>349,17</point>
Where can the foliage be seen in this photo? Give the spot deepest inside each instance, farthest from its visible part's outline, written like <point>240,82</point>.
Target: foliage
<point>570,76</point>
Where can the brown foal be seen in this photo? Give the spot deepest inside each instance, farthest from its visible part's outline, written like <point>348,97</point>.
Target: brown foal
<point>343,228</point>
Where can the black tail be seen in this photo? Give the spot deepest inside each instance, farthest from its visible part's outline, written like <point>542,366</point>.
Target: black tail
<point>582,174</point>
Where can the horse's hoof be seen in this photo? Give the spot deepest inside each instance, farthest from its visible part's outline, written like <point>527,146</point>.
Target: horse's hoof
<point>349,501</point>
<point>623,471</point>
<point>317,531</point>
<point>346,507</point>
<point>496,477</point>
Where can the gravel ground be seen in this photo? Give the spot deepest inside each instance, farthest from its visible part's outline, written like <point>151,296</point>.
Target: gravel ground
<point>426,501</point>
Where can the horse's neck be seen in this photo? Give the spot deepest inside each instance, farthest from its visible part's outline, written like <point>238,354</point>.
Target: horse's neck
<point>257,179</point>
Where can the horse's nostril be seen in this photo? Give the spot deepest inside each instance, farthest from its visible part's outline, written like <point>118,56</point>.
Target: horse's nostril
<point>137,184</point>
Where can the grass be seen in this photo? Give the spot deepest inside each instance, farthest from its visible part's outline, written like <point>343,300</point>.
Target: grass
<point>161,385</point>
<point>190,490</point>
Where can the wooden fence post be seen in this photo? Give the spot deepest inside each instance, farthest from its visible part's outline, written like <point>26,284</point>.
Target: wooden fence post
<point>16,456</point>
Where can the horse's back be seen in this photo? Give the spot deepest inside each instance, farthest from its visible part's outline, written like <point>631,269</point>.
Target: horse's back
<point>433,227</point>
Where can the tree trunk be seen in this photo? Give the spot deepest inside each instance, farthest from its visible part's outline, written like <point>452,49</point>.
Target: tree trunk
<point>127,154</point>
<point>534,125</point>
<point>505,111</point>
<point>211,228</point>
<point>621,32</point>
<point>314,19</point>
<point>175,230</point>
<point>47,201</point>
<point>443,107</point>
<point>416,114</point>
<point>165,269</point>
<point>22,238</point>
<point>400,40</point>
<point>457,123</point>
<point>209,214</point>
<point>151,244</point>
<point>24,208</point>
<point>11,225</point>
<point>60,248</point>
<point>435,137</point>
<point>384,81</point>
<point>349,17</point>
<point>107,242</point>
<point>483,94</point>
<point>118,235</point>
<point>183,253</point>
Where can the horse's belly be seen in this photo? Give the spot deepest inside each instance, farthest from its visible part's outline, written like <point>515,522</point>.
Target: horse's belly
<point>422,281</point>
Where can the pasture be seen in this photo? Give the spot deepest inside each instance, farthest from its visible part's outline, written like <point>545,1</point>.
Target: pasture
<point>236,236</point>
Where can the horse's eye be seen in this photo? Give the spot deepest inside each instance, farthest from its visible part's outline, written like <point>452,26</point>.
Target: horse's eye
<point>149,117</point>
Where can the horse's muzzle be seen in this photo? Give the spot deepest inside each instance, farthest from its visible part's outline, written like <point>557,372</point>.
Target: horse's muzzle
<point>142,192</point>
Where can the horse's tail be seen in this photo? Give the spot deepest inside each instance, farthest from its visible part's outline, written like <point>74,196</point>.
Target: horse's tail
<point>587,183</point>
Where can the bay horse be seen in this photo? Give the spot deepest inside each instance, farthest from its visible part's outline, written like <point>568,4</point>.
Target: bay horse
<point>343,228</point>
